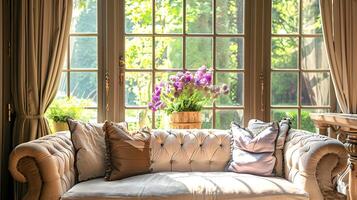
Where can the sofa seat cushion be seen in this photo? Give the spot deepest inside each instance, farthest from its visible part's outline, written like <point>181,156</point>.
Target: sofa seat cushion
<point>187,186</point>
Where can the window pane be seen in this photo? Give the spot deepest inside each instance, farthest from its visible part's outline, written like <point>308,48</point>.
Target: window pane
<point>225,117</point>
<point>198,52</point>
<point>138,118</point>
<point>315,89</point>
<point>163,76</point>
<point>311,18</point>
<point>168,52</point>
<point>162,120</point>
<point>284,88</point>
<point>235,82</point>
<point>90,115</point>
<point>207,116</point>
<point>230,16</point>
<point>65,61</point>
<point>229,53</point>
<point>168,16</point>
<point>199,16</point>
<point>137,88</point>
<point>284,53</point>
<point>62,87</point>
<point>138,16</point>
<point>285,16</point>
<point>306,122</point>
<point>84,16</point>
<point>278,114</point>
<point>313,54</point>
<point>138,52</point>
<point>84,85</point>
<point>83,52</point>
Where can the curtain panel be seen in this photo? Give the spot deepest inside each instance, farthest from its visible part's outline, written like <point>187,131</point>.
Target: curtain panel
<point>339,19</point>
<point>42,36</point>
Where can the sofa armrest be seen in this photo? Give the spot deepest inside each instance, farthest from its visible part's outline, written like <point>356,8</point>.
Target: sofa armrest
<point>46,164</point>
<point>313,161</point>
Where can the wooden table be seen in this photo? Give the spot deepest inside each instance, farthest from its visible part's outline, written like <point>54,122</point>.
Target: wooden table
<point>346,123</point>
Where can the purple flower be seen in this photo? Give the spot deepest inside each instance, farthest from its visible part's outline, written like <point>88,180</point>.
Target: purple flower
<point>188,77</point>
<point>168,88</point>
<point>199,82</point>
<point>179,74</point>
<point>178,86</point>
<point>155,98</point>
<point>150,105</point>
<point>203,82</point>
<point>173,78</point>
<point>208,77</point>
<point>202,69</point>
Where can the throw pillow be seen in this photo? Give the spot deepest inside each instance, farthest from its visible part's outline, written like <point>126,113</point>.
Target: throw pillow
<point>89,145</point>
<point>128,154</point>
<point>253,149</point>
<point>284,127</point>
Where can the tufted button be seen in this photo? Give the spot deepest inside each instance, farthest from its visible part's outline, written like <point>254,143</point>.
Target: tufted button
<point>185,148</point>
<point>221,145</point>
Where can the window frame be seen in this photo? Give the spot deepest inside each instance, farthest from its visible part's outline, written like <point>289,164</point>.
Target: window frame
<point>257,70</point>
<point>299,36</point>
<point>99,70</point>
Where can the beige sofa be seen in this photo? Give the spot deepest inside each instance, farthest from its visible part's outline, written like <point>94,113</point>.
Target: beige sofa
<point>186,164</point>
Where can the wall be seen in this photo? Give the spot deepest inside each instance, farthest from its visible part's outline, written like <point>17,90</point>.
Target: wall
<point>5,99</point>
<point>1,96</point>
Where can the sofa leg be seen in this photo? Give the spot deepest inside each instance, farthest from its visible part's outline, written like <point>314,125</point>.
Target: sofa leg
<point>351,146</point>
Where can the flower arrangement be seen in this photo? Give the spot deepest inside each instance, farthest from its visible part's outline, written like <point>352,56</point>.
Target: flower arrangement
<point>186,92</point>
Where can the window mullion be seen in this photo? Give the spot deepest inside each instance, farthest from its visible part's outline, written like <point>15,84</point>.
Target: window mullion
<point>214,61</point>
<point>299,64</point>
<point>153,58</point>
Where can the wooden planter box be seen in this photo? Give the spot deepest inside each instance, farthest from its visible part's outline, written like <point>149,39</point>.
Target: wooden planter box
<point>185,120</point>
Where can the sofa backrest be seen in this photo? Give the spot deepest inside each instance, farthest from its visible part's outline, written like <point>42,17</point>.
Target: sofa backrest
<point>190,150</point>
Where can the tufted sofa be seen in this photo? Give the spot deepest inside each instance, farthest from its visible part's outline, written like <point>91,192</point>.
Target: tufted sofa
<point>186,164</point>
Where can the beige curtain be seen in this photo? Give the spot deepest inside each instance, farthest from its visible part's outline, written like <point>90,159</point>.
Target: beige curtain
<point>42,37</point>
<point>339,18</point>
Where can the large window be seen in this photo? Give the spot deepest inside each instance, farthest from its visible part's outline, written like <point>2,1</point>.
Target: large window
<point>139,43</point>
<point>80,71</point>
<point>300,79</point>
<point>166,36</point>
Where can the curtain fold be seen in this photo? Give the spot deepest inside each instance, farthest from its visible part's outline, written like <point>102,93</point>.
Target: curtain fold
<point>42,37</point>
<point>339,19</point>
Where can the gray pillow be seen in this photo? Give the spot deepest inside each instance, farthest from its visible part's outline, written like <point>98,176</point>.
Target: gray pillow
<point>284,127</point>
<point>253,149</point>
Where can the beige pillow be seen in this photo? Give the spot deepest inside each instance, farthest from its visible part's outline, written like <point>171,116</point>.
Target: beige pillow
<point>128,154</point>
<point>89,143</point>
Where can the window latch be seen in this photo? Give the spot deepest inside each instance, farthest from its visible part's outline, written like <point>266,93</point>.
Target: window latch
<point>262,106</point>
<point>107,88</point>
<point>121,70</point>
